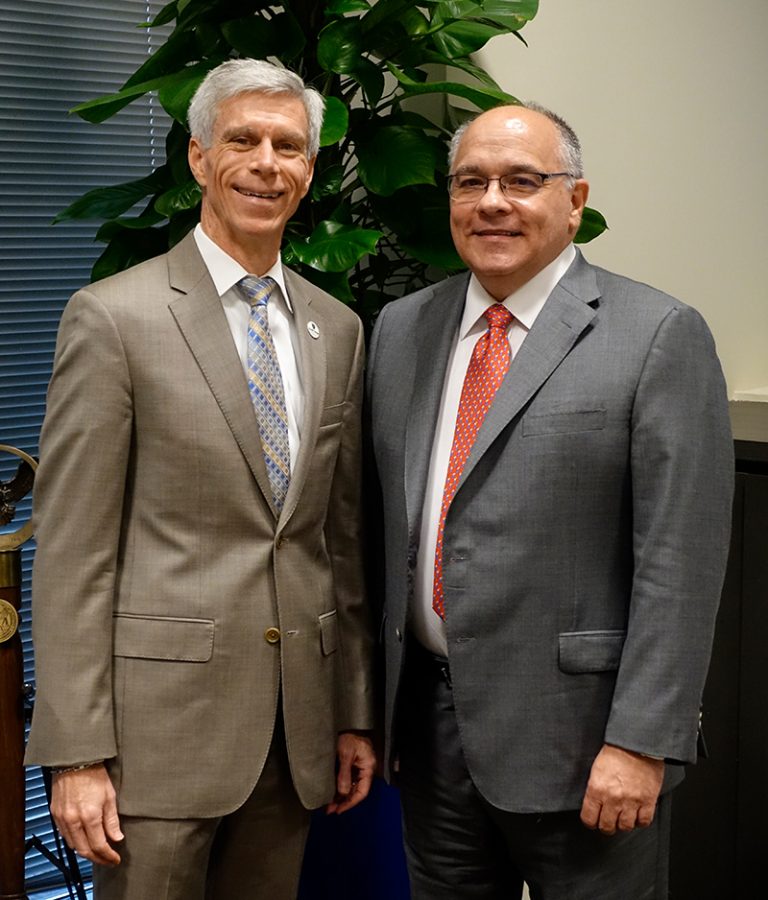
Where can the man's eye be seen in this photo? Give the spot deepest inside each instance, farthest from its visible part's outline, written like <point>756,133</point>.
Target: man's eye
<point>522,182</point>
<point>470,182</point>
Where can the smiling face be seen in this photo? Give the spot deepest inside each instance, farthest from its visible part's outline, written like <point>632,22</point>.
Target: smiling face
<point>505,242</point>
<point>253,175</point>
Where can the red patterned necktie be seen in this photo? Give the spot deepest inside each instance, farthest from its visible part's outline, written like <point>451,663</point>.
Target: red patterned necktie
<point>486,371</point>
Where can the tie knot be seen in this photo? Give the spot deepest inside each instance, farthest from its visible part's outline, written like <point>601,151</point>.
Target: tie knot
<point>257,290</point>
<point>498,316</point>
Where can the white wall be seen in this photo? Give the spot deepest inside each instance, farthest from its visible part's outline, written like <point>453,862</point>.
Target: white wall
<point>670,101</point>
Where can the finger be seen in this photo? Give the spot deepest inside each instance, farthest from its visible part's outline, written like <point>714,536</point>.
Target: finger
<point>590,812</point>
<point>100,849</point>
<point>112,821</point>
<point>627,820</point>
<point>645,815</point>
<point>364,783</point>
<point>608,821</point>
<point>361,789</point>
<point>71,829</point>
<point>344,776</point>
<point>352,799</point>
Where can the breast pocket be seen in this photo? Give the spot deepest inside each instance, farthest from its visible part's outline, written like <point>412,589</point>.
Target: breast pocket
<point>564,421</point>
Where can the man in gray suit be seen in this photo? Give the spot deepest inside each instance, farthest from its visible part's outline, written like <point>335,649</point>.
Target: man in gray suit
<point>201,637</point>
<point>553,450</point>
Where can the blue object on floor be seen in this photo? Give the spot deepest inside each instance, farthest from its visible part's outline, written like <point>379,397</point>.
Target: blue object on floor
<point>359,854</point>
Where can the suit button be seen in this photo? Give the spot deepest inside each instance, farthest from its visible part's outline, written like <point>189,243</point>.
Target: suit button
<point>399,634</point>
<point>272,635</point>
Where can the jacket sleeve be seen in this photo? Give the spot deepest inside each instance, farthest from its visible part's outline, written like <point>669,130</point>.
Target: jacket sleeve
<point>78,506</point>
<point>343,534</point>
<point>682,487</point>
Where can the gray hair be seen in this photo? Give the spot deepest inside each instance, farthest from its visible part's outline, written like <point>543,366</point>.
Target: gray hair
<point>242,76</point>
<point>569,149</point>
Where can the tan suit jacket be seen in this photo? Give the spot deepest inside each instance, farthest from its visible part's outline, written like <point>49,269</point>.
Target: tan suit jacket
<point>161,562</point>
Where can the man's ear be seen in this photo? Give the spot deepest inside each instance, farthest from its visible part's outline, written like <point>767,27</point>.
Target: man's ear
<point>310,173</point>
<point>579,195</point>
<point>195,157</point>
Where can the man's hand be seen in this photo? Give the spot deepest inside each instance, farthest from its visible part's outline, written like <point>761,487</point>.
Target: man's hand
<point>357,763</point>
<point>622,791</point>
<point>84,807</point>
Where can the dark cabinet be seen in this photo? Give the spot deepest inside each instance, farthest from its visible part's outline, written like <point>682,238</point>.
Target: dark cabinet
<point>719,823</point>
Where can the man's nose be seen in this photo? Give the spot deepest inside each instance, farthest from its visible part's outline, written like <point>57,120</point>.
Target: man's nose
<point>263,157</point>
<point>494,198</point>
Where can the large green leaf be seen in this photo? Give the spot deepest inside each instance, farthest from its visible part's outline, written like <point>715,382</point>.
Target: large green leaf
<point>102,108</point>
<point>174,54</point>
<point>340,7</point>
<point>167,14</point>
<point>370,78</point>
<point>109,202</point>
<point>327,182</point>
<point>520,10</point>
<point>114,227</point>
<point>414,22</point>
<point>334,247</point>
<point>179,197</point>
<point>251,36</point>
<point>257,36</point>
<point>462,38</point>
<point>592,224</point>
<point>464,64</point>
<point>335,121</point>
<point>420,218</point>
<point>334,283</point>
<point>483,97</point>
<point>523,9</point>
<point>340,46</point>
<point>394,156</point>
<point>175,96</point>
<point>386,10</point>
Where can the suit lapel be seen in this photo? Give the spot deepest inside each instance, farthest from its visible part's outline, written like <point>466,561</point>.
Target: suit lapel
<point>200,318</point>
<point>433,337</point>
<point>565,315</point>
<point>312,352</point>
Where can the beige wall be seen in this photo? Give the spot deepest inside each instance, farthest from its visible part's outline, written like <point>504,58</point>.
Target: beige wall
<point>671,103</point>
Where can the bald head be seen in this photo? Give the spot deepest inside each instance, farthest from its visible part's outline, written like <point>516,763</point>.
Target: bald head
<point>569,145</point>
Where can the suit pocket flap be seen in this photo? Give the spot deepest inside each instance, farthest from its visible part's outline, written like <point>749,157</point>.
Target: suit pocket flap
<point>590,651</point>
<point>163,637</point>
<point>564,421</point>
<point>329,632</point>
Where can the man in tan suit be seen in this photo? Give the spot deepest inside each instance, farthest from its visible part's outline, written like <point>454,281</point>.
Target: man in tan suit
<point>202,642</point>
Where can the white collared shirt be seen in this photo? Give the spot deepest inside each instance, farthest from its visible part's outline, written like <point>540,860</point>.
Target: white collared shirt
<point>525,304</point>
<point>225,273</point>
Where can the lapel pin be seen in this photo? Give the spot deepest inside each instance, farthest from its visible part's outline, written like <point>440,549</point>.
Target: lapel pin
<point>314,331</point>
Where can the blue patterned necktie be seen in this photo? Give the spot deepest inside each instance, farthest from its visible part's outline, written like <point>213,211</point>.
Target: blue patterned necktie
<point>266,386</point>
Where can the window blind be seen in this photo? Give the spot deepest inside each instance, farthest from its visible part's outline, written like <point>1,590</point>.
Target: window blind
<point>55,54</point>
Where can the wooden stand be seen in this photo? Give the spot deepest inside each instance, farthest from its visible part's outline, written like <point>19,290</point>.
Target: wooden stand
<point>11,740</point>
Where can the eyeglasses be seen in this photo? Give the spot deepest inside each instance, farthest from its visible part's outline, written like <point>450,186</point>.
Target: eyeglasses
<point>470,187</point>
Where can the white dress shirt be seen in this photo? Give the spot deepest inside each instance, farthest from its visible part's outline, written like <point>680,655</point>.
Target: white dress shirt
<point>225,273</point>
<point>525,304</point>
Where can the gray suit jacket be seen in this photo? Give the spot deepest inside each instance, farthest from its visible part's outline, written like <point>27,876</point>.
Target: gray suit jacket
<point>161,562</point>
<point>585,549</point>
